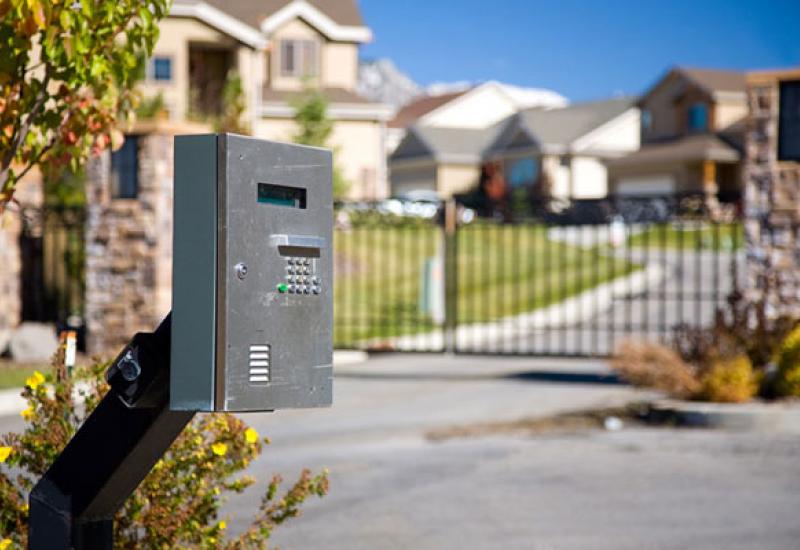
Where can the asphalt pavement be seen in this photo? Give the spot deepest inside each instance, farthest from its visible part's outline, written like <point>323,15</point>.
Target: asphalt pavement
<point>392,486</point>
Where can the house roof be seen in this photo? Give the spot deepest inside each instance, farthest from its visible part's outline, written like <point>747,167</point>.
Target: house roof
<point>716,80</point>
<point>561,127</point>
<point>418,108</point>
<point>455,145</point>
<point>254,12</point>
<point>687,149</point>
<point>252,21</point>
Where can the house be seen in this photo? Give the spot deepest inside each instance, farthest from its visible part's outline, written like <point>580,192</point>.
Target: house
<point>445,161</point>
<point>772,190</point>
<point>474,107</point>
<point>276,47</point>
<point>565,150</point>
<point>564,146</point>
<point>691,135</point>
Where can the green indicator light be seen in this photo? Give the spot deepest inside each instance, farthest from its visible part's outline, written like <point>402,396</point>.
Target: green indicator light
<point>283,287</point>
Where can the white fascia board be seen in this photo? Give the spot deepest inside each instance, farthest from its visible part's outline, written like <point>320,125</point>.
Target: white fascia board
<point>221,21</point>
<point>323,23</point>
<point>626,117</point>
<point>336,111</point>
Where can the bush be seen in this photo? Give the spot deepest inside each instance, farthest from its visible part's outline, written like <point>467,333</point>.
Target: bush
<point>787,377</point>
<point>178,503</point>
<point>729,381</point>
<point>651,365</point>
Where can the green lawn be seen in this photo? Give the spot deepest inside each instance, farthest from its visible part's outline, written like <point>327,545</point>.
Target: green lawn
<point>691,236</point>
<point>502,270</point>
<point>13,376</point>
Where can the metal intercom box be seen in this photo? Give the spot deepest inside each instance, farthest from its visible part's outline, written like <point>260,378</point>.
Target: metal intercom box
<point>252,304</point>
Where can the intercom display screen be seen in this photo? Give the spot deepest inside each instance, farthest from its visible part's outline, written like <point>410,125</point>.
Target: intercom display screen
<point>282,195</point>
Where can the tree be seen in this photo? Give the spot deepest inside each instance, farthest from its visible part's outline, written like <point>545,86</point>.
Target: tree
<point>233,106</point>
<point>67,73</point>
<point>315,128</point>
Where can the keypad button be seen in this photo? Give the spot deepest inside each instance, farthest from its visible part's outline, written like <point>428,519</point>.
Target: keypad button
<point>292,289</point>
<point>316,290</point>
<point>306,290</point>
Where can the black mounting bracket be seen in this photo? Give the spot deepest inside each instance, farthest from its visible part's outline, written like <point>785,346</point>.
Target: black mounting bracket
<point>73,505</point>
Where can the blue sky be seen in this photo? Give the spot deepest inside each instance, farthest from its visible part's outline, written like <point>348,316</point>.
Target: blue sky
<point>583,49</point>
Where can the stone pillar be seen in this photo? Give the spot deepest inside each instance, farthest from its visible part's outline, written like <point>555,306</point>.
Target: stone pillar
<point>772,203</point>
<point>128,247</point>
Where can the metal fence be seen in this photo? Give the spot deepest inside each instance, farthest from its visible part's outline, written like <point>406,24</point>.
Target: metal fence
<point>53,264</point>
<point>532,287</point>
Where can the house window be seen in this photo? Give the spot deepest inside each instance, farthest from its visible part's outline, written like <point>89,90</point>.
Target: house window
<point>647,120</point>
<point>789,121</point>
<point>298,58</point>
<point>698,117</point>
<point>161,68</point>
<point>523,172</point>
<point>125,170</point>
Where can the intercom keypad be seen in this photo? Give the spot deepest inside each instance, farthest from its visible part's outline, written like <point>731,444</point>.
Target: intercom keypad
<point>301,277</point>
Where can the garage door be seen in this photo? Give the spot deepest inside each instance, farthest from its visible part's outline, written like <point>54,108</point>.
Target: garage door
<point>661,184</point>
<point>405,180</point>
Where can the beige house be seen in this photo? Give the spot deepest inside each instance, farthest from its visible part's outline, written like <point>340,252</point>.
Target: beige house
<point>691,133</point>
<point>563,149</point>
<point>275,46</point>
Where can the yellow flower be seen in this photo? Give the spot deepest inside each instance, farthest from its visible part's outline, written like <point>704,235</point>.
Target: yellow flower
<point>219,449</point>
<point>27,414</point>
<point>34,381</point>
<point>5,452</point>
<point>222,525</point>
<point>250,435</point>
<point>5,543</point>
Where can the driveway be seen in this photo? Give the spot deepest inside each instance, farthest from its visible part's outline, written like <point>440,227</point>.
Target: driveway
<point>393,487</point>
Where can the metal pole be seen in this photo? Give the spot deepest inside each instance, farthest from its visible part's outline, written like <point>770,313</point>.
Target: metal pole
<point>73,505</point>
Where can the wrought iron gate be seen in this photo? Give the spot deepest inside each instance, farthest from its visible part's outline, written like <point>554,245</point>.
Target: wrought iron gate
<point>549,287</point>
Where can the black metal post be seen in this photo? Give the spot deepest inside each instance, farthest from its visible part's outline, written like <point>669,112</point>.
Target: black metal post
<point>73,505</point>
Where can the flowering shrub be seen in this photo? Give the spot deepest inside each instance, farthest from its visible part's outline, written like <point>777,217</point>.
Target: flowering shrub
<point>729,380</point>
<point>787,377</point>
<point>178,503</point>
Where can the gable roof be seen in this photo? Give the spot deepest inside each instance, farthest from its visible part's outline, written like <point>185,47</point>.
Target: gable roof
<point>418,108</point>
<point>712,81</point>
<point>716,80</point>
<point>561,127</point>
<point>337,19</point>
<point>450,145</point>
<point>254,12</point>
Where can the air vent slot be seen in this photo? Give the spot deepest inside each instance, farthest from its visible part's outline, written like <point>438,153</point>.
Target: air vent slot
<point>260,364</point>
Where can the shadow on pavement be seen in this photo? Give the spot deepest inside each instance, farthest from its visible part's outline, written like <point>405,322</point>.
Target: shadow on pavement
<point>525,376</point>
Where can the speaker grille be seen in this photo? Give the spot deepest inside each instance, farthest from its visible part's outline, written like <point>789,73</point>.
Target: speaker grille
<point>259,364</point>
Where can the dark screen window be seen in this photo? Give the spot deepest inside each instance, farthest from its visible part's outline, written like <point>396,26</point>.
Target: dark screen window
<point>698,117</point>
<point>789,121</point>
<point>125,170</point>
<point>162,68</point>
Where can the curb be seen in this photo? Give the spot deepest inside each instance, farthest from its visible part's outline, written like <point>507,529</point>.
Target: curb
<point>344,357</point>
<point>755,416</point>
<point>12,403</point>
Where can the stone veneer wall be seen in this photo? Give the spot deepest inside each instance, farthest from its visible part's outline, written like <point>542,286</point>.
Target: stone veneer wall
<point>29,194</point>
<point>10,270</point>
<point>129,248</point>
<point>772,205</point>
